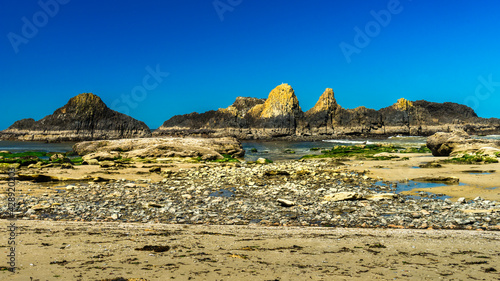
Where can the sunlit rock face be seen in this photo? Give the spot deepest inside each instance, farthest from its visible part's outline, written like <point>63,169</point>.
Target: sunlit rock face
<point>280,115</point>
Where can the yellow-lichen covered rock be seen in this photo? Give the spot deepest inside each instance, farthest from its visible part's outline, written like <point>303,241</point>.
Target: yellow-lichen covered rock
<point>281,102</point>
<point>326,102</point>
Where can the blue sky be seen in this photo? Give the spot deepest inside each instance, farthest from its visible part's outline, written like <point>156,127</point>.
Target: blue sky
<point>156,59</point>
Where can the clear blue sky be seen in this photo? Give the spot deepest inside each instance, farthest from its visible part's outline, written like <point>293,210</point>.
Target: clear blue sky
<point>434,50</point>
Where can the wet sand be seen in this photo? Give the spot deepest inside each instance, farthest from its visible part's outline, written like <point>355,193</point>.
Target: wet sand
<point>472,184</point>
<point>106,251</point>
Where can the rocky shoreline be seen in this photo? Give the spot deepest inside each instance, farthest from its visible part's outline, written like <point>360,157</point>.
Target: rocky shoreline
<point>288,193</point>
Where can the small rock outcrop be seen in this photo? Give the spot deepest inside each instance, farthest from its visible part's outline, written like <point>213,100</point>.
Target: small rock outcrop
<point>84,117</point>
<point>206,148</point>
<point>446,144</point>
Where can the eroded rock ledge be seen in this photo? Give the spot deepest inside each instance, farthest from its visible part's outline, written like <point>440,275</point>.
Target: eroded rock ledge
<point>206,149</point>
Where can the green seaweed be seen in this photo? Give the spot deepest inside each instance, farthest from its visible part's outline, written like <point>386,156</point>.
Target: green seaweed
<point>421,149</point>
<point>77,160</point>
<point>25,154</point>
<point>477,158</point>
<point>358,151</point>
<point>490,160</point>
<point>227,159</point>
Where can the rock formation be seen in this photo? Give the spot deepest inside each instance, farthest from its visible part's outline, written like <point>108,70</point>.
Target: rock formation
<point>321,118</point>
<point>281,116</point>
<point>446,144</point>
<point>207,149</point>
<point>84,117</point>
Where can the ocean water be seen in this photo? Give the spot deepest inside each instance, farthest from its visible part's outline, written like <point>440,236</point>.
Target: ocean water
<point>274,150</point>
<point>280,150</point>
<point>488,137</point>
<point>23,146</point>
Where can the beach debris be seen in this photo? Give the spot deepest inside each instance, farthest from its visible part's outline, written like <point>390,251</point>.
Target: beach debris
<point>343,196</point>
<point>261,161</point>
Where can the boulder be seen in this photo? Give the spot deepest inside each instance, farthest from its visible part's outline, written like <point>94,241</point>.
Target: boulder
<point>286,203</point>
<point>56,156</point>
<point>381,196</point>
<point>442,144</point>
<point>446,144</point>
<point>91,162</point>
<point>261,161</point>
<point>343,196</point>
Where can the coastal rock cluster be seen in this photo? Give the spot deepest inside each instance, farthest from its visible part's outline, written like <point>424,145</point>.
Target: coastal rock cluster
<point>280,115</point>
<point>301,193</point>
<point>84,117</point>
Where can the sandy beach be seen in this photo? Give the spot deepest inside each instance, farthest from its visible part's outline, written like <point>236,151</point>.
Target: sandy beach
<point>109,251</point>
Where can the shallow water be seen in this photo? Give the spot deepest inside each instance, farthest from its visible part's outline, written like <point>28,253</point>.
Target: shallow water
<point>223,193</point>
<point>488,137</point>
<point>411,185</point>
<point>276,150</point>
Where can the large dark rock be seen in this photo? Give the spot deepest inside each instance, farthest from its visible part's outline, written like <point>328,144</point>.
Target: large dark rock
<point>84,117</point>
